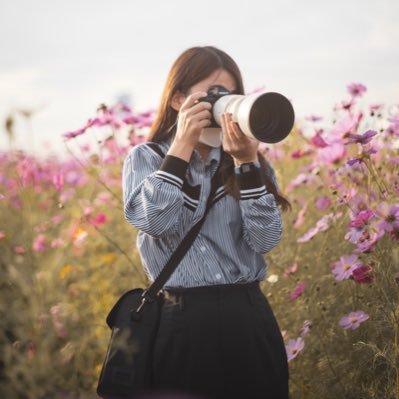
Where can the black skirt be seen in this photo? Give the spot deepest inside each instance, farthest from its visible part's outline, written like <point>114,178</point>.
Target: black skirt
<point>219,342</point>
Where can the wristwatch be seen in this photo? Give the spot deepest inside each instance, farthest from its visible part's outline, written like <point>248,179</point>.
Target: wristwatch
<point>247,167</point>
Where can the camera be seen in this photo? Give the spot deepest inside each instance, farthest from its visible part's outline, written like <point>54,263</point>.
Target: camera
<point>267,117</point>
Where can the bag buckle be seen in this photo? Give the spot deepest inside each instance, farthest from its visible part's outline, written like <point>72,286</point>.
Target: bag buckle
<point>144,300</point>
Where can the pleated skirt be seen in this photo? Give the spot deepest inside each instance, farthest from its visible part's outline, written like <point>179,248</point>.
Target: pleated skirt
<point>218,342</point>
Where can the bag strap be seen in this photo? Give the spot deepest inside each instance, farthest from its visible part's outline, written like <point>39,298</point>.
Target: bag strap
<point>177,256</point>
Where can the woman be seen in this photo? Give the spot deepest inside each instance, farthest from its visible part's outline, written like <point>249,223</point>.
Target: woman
<point>218,337</point>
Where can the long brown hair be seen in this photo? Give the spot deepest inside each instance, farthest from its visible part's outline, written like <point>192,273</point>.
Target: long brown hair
<point>192,66</point>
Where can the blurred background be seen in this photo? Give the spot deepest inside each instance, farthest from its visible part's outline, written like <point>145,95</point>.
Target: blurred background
<point>66,251</point>
<point>61,59</point>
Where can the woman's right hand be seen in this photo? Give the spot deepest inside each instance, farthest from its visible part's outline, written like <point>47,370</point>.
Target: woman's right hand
<point>193,117</point>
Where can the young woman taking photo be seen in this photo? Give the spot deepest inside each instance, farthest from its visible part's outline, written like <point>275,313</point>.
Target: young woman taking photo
<point>218,337</point>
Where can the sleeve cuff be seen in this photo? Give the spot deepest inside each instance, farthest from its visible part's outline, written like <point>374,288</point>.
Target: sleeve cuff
<point>173,170</point>
<point>251,185</point>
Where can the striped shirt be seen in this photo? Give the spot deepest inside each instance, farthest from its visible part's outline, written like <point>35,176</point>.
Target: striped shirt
<point>164,196</point>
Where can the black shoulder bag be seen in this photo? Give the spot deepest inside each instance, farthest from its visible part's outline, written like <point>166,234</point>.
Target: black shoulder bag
<point>134,321</point>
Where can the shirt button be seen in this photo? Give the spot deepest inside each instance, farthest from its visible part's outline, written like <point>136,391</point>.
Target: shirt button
<point>203,249</point>
<point>218,276</point>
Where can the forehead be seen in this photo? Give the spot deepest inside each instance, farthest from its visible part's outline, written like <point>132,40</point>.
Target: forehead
<point>219,77</point>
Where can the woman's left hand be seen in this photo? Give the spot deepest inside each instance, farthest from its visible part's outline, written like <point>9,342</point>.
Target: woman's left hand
<point>242,148</point>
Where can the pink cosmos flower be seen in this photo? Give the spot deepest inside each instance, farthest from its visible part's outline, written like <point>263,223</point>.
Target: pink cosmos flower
<point>294,347</point>
<point>331,154</point>
<point>297,292</point>
<point>302,178</point>
<point>358,225</point>
<point>39,245</point>
<point>360,159</point>
<point>99,219</point>
<point>67,195</point>
<point>356,89</point>
<point>301,216</point>
<point>321,225</point>
<point>300,153</point>
<point>348,124</point>
<point>389,215</point>
<point>362,218</point>
<point>345,105</point>
<point>362,139</point>
<point>346,196</point>
<point>363,274</point>
<point>313,118</point>
<point>291,270</point>
<point>323,203</point>
<point>353,320</point>
<point>58,181</point>
<point>307,325</point>
<point>344,267</point>
<point>19,250</point>
<point>367,241</point>
<point>136,138</point>
<point>74,133</point>
<point>318,141</point>
<point>2,234</point>
<point>392,129</point>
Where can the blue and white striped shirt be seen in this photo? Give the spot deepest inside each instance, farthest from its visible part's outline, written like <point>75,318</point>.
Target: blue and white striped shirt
<point>164,196</point>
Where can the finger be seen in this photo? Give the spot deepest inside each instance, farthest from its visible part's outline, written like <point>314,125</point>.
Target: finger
<point>234,129</point>
<point>226,131</point>
<point>205,114</point>
<point>199,107</point>
<point>192,99</point>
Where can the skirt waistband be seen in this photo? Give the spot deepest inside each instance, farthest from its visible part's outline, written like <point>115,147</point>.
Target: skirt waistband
<point>213,288</point>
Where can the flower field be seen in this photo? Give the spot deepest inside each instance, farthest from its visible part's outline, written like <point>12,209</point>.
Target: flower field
<point>66,254</point>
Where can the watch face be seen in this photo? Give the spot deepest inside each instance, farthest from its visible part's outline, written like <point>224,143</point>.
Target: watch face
<point>247,167</point>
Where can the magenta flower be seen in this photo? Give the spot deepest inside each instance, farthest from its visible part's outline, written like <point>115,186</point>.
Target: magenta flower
<point>297,292</point>
<point>74,133</point>
<point>367,241</point>
<point>344,267</point>
<point>99,219</point>
<point>353,320</point>
<point>39,245</point>
<point>363,274</point>
<point>300,153</point>
<point>358,225</point>
<point>323,203</point>
<point>389,215</point>
<point>58,181</point>
<point>362,139</point>
<point>356,89</point>
<point>294,347</point>
<point>318,141</point>
<point>362,219</point>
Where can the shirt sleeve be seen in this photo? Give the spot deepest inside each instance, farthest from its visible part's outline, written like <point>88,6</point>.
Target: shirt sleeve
<point>152,190</point>
<point>261,215</point>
